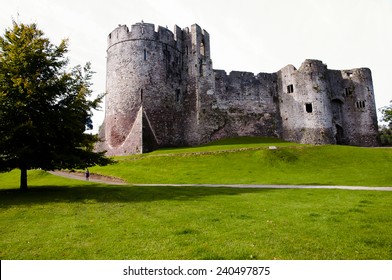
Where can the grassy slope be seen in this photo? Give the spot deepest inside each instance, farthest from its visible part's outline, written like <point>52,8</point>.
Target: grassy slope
<point>290,164</point>
<point>80,220</point>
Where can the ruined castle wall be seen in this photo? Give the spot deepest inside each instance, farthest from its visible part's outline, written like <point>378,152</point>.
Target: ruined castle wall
<point>305,105</point>
<point>248,104</point>
<point>353,92</point>
<point>199,94</point>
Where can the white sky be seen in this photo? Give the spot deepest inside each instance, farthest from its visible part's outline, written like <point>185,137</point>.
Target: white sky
<point>248,35</point>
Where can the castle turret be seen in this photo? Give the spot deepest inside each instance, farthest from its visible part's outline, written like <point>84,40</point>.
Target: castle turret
<point>305,105</point>
<point>144,89</point>
<point>200,85</point>
<point>356,120</point>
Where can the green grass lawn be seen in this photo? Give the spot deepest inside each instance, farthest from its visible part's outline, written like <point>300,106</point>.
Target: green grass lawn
<point>67,219</point>
<point>61,218</point>
<point>249,161</point>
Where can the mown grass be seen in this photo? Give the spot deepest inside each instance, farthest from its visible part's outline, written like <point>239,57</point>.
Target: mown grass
<point>69,219</point>
<point>60,218</point>
<point>249,161</point>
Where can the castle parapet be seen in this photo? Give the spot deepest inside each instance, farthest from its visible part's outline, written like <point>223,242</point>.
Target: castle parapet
<point>312,65</point>
<point>145,31</point>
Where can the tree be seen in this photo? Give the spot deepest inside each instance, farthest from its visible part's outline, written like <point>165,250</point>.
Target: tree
<point>385,131</point>
<point>44,107</point>
<point>387,114</point>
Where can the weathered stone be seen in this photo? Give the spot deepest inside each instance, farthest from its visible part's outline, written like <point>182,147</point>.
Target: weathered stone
<point>163,91</point>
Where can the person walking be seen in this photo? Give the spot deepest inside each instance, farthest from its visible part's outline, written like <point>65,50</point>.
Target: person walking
<point>87,173</point>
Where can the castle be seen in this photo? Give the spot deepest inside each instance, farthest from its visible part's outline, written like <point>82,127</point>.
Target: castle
<point>163,91</point>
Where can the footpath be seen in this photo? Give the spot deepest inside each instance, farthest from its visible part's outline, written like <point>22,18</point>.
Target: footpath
<point>116,181</point>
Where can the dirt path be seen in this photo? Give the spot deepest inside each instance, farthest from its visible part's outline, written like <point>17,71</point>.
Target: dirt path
<point>93,177</point>
<point>116,181</point>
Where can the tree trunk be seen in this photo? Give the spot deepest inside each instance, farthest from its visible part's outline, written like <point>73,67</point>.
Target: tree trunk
<point>23,179</point>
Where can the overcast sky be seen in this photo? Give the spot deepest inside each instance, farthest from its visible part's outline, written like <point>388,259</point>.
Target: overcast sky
<point>248,35</point>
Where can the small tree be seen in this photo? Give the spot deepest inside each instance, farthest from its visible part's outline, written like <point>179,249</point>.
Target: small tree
<point>385,131</point>
<point>44,108</point>
<point>387,114</point>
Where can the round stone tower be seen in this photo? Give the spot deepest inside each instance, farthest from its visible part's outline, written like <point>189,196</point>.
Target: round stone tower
<point>143,83</point>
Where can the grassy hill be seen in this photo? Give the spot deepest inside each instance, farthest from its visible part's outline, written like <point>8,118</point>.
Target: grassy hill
<point>248,160</point>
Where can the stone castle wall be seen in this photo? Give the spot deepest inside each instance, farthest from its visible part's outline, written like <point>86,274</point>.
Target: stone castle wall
<point>163,91</point>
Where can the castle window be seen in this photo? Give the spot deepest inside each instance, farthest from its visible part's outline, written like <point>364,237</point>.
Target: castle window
<point>187,50</point>
<point>309,107</point>
<point>178,95</point>
<point>202,48</point>
<point>201,67</point>
<point>360,104</point>
<point>145,54</point>
<point>141,94</point>
<point>349,74</point>
<point>348,91</point>
<point>290,88</point>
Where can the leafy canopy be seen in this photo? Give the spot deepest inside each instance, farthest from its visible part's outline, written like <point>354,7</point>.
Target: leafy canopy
<point>387,114</point>
<point>385,132</point>
<point>44,106</point>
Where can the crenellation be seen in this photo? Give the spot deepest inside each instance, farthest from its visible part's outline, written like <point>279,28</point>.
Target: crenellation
<point>143,31</point>
<point>162,91</point>
<point>166,36</point>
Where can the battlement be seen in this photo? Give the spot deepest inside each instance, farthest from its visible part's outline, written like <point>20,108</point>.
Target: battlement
<point>234,74</point>
<point>312,65</point>
<point>356,73</point>
<point>144,31</point>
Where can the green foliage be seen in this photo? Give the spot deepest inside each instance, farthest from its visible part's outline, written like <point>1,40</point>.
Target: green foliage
<point>68,219</point>
<point>385,134</point>
<point>387,114</point>
<point>44,108</point>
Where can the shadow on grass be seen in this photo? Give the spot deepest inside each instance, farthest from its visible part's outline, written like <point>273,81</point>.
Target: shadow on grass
<point>110,194</point>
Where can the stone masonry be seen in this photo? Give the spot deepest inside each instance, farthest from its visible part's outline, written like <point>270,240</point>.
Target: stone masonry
<point>162,91</point>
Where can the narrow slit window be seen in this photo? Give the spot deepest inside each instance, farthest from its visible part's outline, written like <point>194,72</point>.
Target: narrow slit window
<point>178,95</point>
<point>290,88</point>
<point>360,104</point>
<point>201,67</point>
<point>348,91</point>
<point>145,54</point>
<point>141,94</point>
<point>309,107</point>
